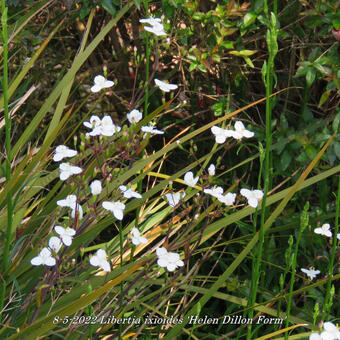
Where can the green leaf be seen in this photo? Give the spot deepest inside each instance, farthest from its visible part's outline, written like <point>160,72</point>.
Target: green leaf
<point>324,97</point>
<point>137,4</point>
<point>243,53</point>
<point>248,19</point>
<point>285,160</point>
<point>336,121</point>
<point>264,71</point>
<point>108,6</point>
<point>310,76</point>
<point>337,149</point>
<point>249,62</point>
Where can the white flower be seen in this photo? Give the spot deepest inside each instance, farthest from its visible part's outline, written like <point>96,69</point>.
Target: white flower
<point>156,27</point>
<point>134,116</point>
<point>150,21</point>
<point>44,258</point>
<point>150,129</point>
<point>166,87</point>
<point>211,170</point>
<point>101,83</point>
<point>107,126</point>
<point>189,179</point>
<point>104,127</point>
<point>66,234</point>
<point>99,260</point>
<point>169,260</point>
<point>129,193</point>
<point>54,243</point>
<point>221,134</point>
<point>136,238</point>
<point>253,196</point>
<point>227,199</point>
<point>331,332</point>
<point>240,131</point>
<point>67,170</point>
<point>324,230</point>
<point>311,273</point>
<point>71,202</point>
<point>216,192</point>
<point>96,187</point>
<point>117,208</point>
<point>63,151</point>
<point>338,236</point>
<point>173,199</point>
<point>94,122</point>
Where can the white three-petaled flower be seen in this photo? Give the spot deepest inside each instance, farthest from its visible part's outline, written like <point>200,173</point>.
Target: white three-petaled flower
<point>67,170</point>
<point>168,260</point>
<point>173,199</point>
<point>54,243</point>
<point>71,202</point>
<point>63,151</point>
<point>94,121</point>
<point>136,238</point>
<point>331,332</point>
<point>211,170</point>
<point>102,127</point>
<point>101,83</point>
<point>44,258</point>
<point>100,260</point>
<point>134,116</point>
<point>129,193</point>
<point>220,134</point>
<point>189,179</point>
<point>216,192</point>
<point>66,234</point>
<point>117,208</point>
<point>227,199</point>
<point>253,196</point>
<point>166,87</point>
<point>240,131</point>
<point>156,27</point>
<point>96,187</point>
<point>324,230</point>
<point>151,129</point>
<point>311,273</point>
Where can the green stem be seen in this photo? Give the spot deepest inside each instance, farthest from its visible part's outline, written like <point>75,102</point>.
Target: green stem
<point>6,262</point>
<point>331,262</point>
<point>303,225</point>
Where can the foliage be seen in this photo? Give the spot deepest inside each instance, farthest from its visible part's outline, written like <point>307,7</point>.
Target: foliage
<point>273,66</point>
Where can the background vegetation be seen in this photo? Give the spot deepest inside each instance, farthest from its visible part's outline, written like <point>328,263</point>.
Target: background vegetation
<point>273,65</point>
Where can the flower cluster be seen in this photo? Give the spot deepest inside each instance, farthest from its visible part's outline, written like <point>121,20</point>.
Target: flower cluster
<point>45,257</point>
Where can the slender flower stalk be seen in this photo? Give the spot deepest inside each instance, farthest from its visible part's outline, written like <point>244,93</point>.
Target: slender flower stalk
<point>303,224</point>
<point>267,75</point>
